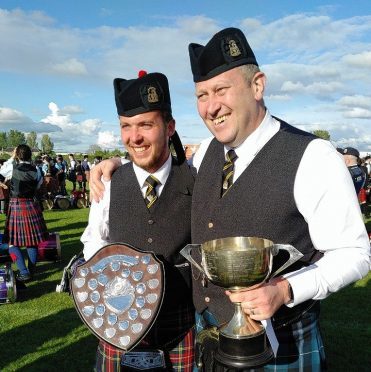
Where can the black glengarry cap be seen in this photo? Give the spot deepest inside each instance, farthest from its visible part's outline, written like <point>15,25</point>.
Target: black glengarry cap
<point>351,151</point>
<point>226,50</point>
<point>149,92</point>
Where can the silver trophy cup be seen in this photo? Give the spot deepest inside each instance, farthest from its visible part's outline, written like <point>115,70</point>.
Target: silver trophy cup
<point>240,263</point>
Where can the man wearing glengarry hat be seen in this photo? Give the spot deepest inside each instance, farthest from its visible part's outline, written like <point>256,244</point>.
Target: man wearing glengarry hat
<point>279,186</point>
<point>147,205</point>
<point>351,157</point>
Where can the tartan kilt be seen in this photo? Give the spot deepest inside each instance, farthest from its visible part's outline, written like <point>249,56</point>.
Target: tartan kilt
<point>25,225</point>
<point>179,355</point>
<point>300,344</point>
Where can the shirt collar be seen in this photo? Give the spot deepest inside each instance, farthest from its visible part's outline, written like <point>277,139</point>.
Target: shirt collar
<point>256,140</point>
<point>161,174</point>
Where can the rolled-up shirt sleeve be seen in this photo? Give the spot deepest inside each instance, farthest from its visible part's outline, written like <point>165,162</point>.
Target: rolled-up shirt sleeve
<point>96,234</point>
<point>325,196</point>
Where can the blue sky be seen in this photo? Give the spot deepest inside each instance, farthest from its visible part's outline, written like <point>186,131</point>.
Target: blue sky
<point>59,58</point>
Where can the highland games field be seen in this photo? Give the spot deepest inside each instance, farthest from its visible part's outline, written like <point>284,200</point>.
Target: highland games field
<point>42,331</point>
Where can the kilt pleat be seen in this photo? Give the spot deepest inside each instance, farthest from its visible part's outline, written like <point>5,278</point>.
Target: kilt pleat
<point>25,224</point>
<point>179,352</point>
<point>301,347</point>
<point>181,357</point>
<point>300,344</point>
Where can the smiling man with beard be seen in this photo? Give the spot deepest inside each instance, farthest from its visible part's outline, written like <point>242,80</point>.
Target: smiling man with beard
<point>147,205</point>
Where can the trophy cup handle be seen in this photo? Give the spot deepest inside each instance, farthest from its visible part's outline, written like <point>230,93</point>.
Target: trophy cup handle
<point>295,255</point>
<point>186,253</point>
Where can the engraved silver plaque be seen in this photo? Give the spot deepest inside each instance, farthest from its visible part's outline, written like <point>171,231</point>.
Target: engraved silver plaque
<point>118,293</point>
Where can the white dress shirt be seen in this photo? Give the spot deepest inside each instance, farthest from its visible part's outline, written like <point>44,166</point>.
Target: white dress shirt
<point>7,168</point>
<point>96,234</point>
<point>325,196</point>
<point>7,171</point>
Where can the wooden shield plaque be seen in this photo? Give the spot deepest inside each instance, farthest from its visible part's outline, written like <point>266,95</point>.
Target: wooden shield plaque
<point>118,293</point>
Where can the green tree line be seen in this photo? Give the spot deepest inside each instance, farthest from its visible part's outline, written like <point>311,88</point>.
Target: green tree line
<point>14,138</point>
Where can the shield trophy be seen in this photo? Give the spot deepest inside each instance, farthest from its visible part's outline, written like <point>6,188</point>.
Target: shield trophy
<point>118,293</point>
<point>240,263</point>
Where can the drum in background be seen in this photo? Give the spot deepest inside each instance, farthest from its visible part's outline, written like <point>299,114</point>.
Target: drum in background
<point>81,203</point>
<point>50,249</point>
<point>62,202</point>
<point>79,199</point>
<point>47,204</point>
<point>8,288</point>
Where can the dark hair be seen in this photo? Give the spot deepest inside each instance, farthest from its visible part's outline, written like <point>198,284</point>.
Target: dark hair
<point>167,116</point>
<point>23,152</point>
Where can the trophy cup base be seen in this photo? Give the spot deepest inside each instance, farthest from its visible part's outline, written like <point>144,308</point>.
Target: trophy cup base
<point>243,352</point>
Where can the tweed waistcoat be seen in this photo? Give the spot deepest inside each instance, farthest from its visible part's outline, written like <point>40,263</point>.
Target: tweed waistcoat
<point>260,203</point>
<point>164,229</point>
<point>24,181</point>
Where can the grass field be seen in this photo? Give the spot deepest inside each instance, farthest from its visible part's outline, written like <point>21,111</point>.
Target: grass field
<point>42,331</point>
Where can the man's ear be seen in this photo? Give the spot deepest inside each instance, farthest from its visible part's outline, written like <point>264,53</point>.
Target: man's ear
<point>171,128</point>
<point>258,85</point>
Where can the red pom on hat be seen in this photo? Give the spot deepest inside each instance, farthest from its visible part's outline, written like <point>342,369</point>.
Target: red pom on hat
<point>142,73</point>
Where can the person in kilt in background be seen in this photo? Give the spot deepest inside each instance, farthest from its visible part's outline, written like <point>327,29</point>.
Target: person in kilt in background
<point>25,225</point>
<point>151,217</point>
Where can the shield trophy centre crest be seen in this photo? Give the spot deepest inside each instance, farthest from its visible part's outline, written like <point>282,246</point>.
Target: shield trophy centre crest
<point>118,293</point>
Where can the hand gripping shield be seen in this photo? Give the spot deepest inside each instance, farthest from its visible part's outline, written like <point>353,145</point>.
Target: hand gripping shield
<point>118,293</point>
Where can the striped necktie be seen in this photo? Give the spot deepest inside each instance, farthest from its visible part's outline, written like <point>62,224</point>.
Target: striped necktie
<point>228,170</point>
<point>150,196</point>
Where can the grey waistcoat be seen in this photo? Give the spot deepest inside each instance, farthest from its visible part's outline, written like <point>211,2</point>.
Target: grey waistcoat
<point>164,229</point>
<point>260,203</point>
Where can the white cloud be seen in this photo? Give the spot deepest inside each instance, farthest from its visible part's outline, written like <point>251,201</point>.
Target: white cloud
<point>13,119</point>
<point>355,107</point>
<point>107,140</point>
<point>303,35</point>
<point>66,134</point>
<point>73,134</point>
<point>360,60</point>
<point>357,112</point>
<point>72,109</point>
<point>90,126</point>
<point>317,88</point>
<point>70,67</point>
<point>33,42</point>
<point>355,101</point>
<point>279,97</point>
<point>197,25</point>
